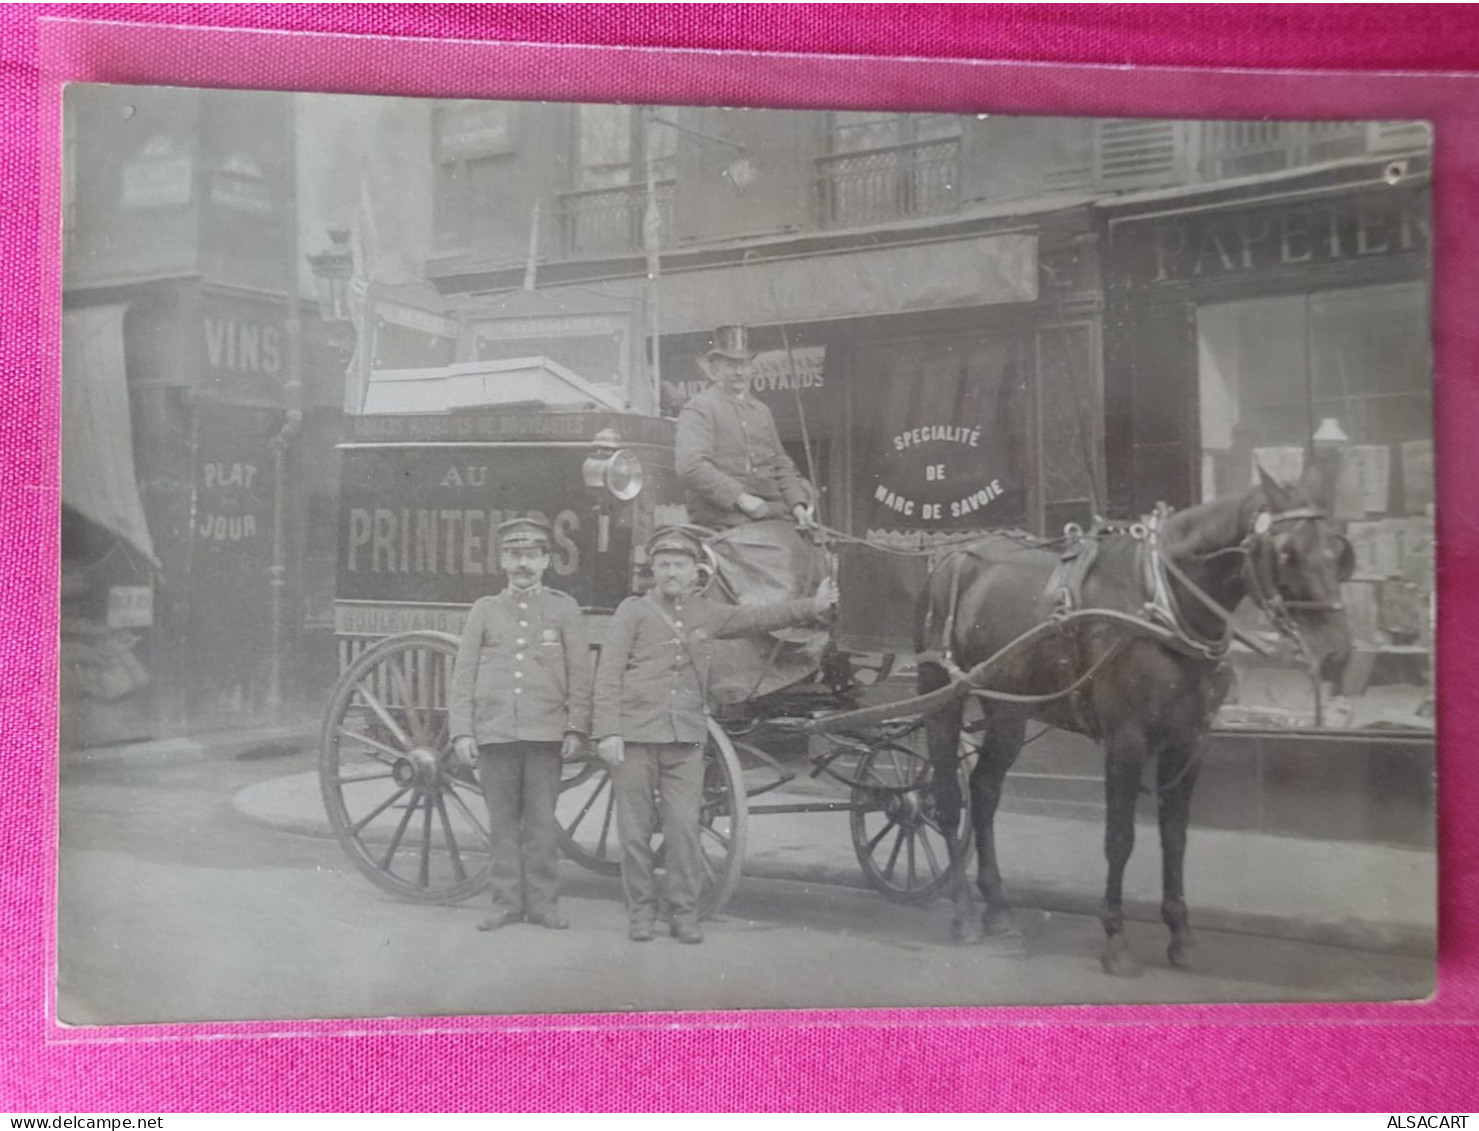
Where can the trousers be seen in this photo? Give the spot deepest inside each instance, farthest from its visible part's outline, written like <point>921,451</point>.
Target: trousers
<point>660,785</point>
<point>521,782</point>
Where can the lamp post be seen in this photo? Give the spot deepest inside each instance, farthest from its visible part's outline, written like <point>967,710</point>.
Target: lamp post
<point>332,270</point>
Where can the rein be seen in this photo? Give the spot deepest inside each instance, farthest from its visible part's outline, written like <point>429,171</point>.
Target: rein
<point>1255,549</point>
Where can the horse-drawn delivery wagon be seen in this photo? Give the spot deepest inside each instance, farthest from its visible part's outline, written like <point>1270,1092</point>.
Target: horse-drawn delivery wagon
<point>1119,634</point>
<point>423,496</point>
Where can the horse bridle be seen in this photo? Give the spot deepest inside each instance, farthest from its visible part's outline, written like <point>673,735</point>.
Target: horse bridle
<point>1258,551</point>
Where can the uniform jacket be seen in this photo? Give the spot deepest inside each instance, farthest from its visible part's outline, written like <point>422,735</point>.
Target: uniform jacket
<point>726,447</point>
<point>654,668</point>
<point>523,670</point>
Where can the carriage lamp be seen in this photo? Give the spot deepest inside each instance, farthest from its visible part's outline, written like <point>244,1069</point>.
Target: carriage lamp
<point>612,467</point>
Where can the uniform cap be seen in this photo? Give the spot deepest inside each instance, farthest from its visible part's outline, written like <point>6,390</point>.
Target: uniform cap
<point>731,341</point>
<point>677,540</point>
<point>524,532</point>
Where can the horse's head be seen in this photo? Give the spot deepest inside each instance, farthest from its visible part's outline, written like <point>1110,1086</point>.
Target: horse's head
<point>1296,561</point>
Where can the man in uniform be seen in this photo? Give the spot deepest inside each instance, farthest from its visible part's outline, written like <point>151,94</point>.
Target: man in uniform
<point>650,720</point>
<point>520,703</point>
<point>729,455</point>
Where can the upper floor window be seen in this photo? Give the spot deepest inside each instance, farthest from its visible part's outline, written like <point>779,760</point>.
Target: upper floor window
<point>614,142</point>
<point>472,141</point>
<point>888,166</point>
<point>605,146</point>
<point>470,130</point>
<point>855,130</point>
<point>604,215</point>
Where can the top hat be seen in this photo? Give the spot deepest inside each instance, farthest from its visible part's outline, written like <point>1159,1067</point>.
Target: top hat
<point>519,532</point>
<point>676,540</point>
<point>732,342</point>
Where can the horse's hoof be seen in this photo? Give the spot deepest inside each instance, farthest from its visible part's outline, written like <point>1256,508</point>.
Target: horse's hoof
<point>1000,924</point>
<point>1005,944</point>
<point>1186,956</point>
<point>1119,962</point>
<point>966,932</point>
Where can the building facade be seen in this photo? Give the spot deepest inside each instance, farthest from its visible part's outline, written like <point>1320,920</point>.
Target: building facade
<point>203,401</point>
<point>963,323</point>
<point>971,322</point>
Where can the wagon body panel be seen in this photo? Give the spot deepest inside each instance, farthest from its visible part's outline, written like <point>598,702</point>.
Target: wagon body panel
<point>423,497</point>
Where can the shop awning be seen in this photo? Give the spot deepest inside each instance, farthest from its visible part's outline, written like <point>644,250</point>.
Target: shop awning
<point>983,271</point>
<point>98,478</point>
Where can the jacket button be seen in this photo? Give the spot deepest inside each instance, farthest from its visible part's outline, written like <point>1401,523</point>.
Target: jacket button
<point>518,690</point>
<point>523,624</point>
<point>518,675</point>
<point>678,624</point>
<point>518,655</point>
<point>519,641</point>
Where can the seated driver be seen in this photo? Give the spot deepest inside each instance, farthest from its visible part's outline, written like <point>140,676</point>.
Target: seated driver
<point>729,454</point>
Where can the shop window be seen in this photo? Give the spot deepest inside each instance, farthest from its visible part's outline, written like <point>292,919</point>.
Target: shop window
<point>1342,378</point>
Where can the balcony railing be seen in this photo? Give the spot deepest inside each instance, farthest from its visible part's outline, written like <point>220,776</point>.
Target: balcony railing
<point>1241,149</point>
<point>892,182</point>
<point>608,221</point>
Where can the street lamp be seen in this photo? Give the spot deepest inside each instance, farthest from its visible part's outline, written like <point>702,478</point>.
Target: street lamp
<point>332,270</point>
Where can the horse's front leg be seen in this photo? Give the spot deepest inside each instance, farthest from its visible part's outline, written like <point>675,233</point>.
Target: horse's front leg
<point>1001,742</point>
<point>1124,759</point>
<point>942,730</point>
<point>1176,777</point>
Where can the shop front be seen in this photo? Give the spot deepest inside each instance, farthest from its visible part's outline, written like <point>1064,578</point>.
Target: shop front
<point>1285,324</point>
<point>927,403</point>
<point>108,648</point>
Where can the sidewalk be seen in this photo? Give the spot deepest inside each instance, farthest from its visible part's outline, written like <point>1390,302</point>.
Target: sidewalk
<point>1339,893</point>
<point>292,735</point>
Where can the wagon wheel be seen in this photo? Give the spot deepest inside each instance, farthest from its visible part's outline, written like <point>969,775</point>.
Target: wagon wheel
<point>409,820</point>
<point>587,819</point>
<point>896,831</point>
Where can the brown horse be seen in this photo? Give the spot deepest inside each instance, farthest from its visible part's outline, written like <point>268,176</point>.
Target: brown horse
<point>1143,695</point>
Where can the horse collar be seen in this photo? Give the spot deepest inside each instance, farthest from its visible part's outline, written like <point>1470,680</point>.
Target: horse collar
<point>1164,609</point>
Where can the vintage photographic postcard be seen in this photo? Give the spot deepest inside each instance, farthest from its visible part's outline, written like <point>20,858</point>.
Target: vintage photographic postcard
<point>565,558</point>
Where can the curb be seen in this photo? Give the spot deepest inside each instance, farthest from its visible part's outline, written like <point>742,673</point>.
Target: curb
<point>1397,939</point>
<point>175,751</point>
<point>1400,939</point>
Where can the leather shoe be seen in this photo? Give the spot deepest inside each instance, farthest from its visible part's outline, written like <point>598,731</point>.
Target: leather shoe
<point>552,920</point>
<point>641,932</point>
<point>687,933</point>
<point>500,919</point>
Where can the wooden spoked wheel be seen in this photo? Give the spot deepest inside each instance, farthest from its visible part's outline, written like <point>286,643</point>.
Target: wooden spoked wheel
<point>587,819</point>
<point>896,830</point>
<point>408,819</point>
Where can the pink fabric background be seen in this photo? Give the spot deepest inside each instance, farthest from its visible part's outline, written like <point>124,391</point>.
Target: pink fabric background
<point>1385,1058</point>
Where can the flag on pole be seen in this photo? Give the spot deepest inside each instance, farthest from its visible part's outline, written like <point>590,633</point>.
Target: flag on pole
<point>531,266</point>
<point>651,242</point>
<point>363,244</point>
